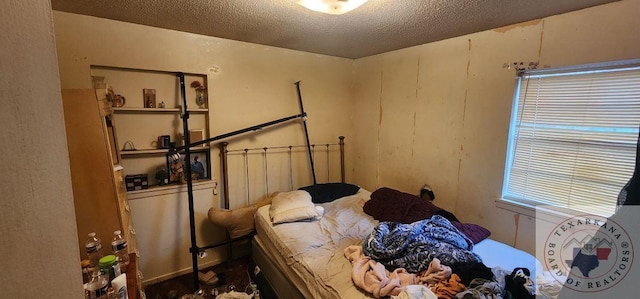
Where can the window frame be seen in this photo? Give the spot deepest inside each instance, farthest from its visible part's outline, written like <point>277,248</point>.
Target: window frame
<point>506,197</point>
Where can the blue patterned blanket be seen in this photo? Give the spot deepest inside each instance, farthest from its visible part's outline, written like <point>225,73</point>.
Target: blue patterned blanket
<point>413,246</point>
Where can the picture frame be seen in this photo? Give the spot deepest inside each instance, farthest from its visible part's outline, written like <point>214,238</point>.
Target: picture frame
<point>200,167</point>
<point>196,135</point>
<point>149,98</point>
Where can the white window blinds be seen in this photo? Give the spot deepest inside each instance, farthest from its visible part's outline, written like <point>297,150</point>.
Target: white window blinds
<point>573,137</point>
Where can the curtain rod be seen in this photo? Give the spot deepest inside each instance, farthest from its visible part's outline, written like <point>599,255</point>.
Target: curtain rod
<point>631,63</point>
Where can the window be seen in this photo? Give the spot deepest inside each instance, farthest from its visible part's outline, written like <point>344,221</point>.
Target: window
<point>573,135</point>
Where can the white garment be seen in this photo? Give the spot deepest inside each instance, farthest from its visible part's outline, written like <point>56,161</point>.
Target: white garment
<point>234,295</point>
<point>415,291</point>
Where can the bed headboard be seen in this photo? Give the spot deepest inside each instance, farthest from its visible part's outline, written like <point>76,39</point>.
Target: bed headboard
<point>260,171</point>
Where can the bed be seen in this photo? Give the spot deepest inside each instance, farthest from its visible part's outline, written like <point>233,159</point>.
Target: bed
<point>308,256</point>
<point>306,259</point>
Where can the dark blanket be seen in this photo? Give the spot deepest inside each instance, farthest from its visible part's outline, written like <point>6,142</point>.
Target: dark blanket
<point>391,205</point>
<point>387,204</point>
<point>413,246</point>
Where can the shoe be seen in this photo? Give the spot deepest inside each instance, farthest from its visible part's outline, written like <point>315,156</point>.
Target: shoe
<point>426,190</point>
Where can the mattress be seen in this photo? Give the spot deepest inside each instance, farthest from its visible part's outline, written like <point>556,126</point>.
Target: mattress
<point>310,254</point>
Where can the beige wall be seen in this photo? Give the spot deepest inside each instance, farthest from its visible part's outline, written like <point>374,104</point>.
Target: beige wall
<point>248,85</point>
<point>455,92</point>
<point>39,255</point>
<point>439,113</point>
<point>436,113</point>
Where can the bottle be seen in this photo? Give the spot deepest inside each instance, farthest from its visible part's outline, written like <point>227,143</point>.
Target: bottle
<point>98,287</point>
<point>119,285</point>
<point>109,264</point>
<point>86,271</point>
<point>94,249</point>
<point>119,247</point>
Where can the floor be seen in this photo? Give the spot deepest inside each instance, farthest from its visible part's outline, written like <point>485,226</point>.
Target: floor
<point>236,275</point>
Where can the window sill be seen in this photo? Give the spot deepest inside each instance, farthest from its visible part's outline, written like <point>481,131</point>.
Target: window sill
<point>516,207</point>
<point>537,211</point>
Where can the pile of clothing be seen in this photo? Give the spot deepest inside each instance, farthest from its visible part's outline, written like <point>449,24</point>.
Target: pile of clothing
<point>438,280</point>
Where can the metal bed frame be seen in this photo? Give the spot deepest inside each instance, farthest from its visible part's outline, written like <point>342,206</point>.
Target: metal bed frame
<point>173,153</point>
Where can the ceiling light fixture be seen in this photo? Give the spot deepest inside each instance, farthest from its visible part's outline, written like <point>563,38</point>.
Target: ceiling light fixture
<point>334,7</point>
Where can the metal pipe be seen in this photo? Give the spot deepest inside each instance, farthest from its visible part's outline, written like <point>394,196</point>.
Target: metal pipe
<point>195,250</point>
<point>306,132</point>
<point>187,152</point>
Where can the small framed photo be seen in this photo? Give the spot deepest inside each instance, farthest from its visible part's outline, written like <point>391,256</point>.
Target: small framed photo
<point>200,167</point>
<point>149,97</point>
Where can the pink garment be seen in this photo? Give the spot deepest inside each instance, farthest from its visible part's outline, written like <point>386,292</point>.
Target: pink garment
<point>372,276</point>
<point>434,274</point>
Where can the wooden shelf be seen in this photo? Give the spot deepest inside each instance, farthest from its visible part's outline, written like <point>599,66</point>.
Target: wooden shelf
<point>157,190</point>
<point>139,152</point>
<point>125,153</point>
<point>156,110</point>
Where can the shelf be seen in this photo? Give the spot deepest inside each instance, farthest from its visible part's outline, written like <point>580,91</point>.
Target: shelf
<point>157,110</point>
<point>156,190</point>
<point>137,124</point>
<point>125,153</point>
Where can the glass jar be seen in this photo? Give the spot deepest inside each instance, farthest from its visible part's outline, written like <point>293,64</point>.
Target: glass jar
<point>109,264</point>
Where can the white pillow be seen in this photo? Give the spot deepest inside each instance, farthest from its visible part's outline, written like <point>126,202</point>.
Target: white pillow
<point>292,206</point>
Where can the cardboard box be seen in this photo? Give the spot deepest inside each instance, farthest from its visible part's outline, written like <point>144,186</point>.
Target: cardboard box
<point>196,135</point>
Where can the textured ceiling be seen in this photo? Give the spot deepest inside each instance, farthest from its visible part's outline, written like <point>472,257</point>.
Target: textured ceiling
<point>377,26</point>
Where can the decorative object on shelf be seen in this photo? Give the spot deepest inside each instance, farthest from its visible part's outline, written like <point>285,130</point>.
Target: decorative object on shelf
<point>118,101</point>
<point>162,176</point>
<point>149,96</point>
<point>136,182</point>
<point>110,95</point>
<point>164,141</point>
<point>128,146</point>
<point>197,168</point>
<point>201,97</point>
<point>177,171</point>
<point>98,82</point>
<point>161,105</point>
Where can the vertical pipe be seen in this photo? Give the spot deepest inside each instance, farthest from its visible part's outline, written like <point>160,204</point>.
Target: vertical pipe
<point>187,142</point>
<point>290,169</point>
<point>225,170</point>
<point>328,166</point>
<point>266,172</point>
<point>246,171</point>
<point>342,158</point>
<point>225,185</point>
<point>306,132</point>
